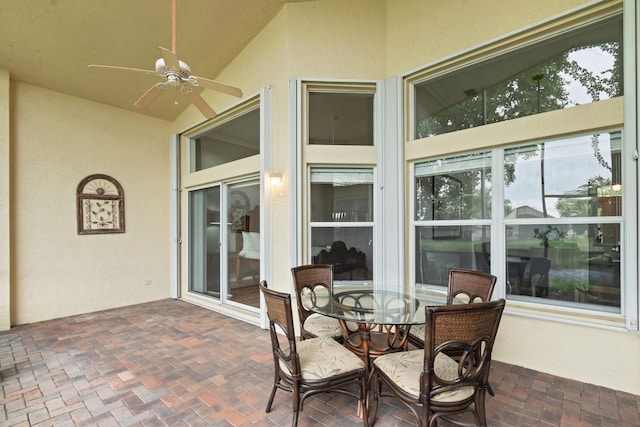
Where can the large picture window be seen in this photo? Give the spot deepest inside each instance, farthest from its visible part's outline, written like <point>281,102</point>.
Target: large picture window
<point>547,217</point>
<point>573,68</point>
<point>562,223</point>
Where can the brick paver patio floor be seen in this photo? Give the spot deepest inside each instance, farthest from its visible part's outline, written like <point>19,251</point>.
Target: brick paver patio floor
<point>170,363</point>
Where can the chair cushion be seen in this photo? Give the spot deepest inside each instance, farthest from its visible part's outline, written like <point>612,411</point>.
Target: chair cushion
<point>250,245</point>
<point>323,357</point>
<point>405,368</point>
<point>323,326</point>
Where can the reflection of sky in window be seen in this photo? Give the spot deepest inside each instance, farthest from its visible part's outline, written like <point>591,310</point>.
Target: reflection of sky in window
<point>568,165</point>
<point>596,61</point>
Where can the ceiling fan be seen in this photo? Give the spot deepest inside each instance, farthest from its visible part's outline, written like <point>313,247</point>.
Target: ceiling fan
<point>176,74</point>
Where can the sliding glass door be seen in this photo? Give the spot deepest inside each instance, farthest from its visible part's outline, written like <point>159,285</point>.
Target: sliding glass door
<point>243,242</point>
<point>205,244</point>
<point>224,250</point>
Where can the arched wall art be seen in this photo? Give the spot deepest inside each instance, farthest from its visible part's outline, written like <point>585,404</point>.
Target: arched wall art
<point>100,205</point>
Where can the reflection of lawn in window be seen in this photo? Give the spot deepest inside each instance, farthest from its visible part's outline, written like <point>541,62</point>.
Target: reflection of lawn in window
<point>569,271</point>
<point>583,243</point>
<point>565,288</point>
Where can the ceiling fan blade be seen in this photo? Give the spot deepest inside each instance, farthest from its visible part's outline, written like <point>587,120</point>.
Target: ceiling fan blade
<point>150,95</point>
<point>170,58</point>
<point>217,86</point>
<point>200,103</point>
<point>135,70</point>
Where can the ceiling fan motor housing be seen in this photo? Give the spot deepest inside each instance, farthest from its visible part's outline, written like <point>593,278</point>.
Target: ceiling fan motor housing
<point>174,77</point>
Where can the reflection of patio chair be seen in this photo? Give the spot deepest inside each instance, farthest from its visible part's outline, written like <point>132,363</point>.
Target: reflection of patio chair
<point>536,277</point>
<point>482,252</point>
<point>344,260</point>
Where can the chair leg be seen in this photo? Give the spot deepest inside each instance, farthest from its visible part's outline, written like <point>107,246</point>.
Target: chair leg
<point>296,403</point>
<point>487,383</point>
<point>270,402</point>
<point>276,382</point>
<point>480,413</point>
<point>364,401</point>
<point>372,399</point>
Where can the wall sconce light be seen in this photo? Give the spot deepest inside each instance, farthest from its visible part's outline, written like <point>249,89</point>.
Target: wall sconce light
<point>616,187</point>
<point>275,178</point>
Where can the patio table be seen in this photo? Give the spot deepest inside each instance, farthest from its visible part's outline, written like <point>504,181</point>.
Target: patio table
<point>373,321</point>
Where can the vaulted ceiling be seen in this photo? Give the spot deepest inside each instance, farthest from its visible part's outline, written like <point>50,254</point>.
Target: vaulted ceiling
<point>50,43</point>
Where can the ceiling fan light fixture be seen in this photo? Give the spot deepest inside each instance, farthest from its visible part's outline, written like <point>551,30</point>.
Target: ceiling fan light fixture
<point>173,80</point>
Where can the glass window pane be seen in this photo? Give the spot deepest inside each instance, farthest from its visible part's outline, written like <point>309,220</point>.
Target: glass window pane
<point>232,140</point>
<point>574,177</point>
<point>440,248</point>
<point>243,225</point>
<point>569,264</point>
<point>204,248</point>
<point>341,118</point>
<point>453,188</point>
<point>349,249</point>
<point>574,68</point>
<point>341,195</point>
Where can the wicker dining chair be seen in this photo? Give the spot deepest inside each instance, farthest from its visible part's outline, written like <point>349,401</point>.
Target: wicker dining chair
<point>430,383</point>
<point>464,286</point>
<point>305,279</point>
<point>314,365</point>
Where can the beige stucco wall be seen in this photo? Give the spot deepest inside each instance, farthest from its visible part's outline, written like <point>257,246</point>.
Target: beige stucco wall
<point>335,39</point>
<point>5,227</point>
<point>585,353</point>
<point>56,141</point>
<point>420,32</point>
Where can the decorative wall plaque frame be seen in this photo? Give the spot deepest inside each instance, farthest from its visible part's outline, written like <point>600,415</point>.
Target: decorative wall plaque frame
<point>100,205</point>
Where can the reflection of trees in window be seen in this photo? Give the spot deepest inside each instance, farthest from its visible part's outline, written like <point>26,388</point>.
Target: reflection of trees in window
<point>572,194</point>
<point>447,190</point>
<point>568,79</point>
<point>584,201</point>
<point>606,84</point>
<point>578,203</point>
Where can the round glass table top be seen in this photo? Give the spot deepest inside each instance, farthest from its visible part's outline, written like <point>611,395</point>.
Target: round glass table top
<point>364,304</point>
